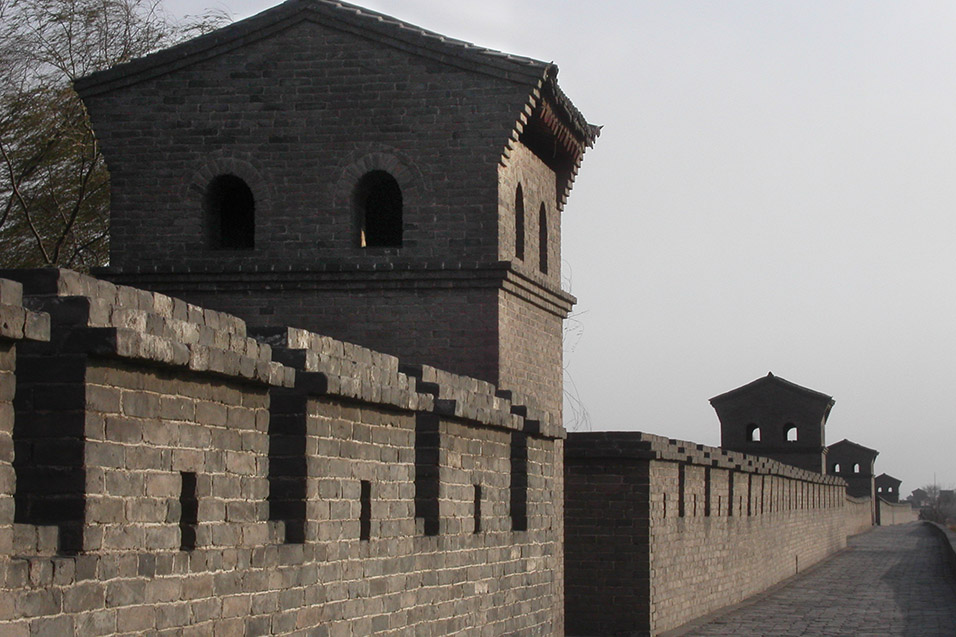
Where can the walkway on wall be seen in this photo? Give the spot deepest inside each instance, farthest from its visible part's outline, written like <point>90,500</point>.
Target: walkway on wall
<point>891,581</point>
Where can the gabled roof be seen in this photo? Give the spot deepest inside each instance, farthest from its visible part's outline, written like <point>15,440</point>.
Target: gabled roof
<point>368,24</point>
<point>883,477</point>
<point>850,445</point>
<point>775,381</point>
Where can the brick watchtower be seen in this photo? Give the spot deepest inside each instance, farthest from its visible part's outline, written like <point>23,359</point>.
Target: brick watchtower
<point>854,463</point>
<point>887,487</point>
<point>775,418</point>
<point>327,167</point>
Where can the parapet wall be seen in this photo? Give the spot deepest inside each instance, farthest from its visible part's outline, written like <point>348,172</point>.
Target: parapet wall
<point>176,475</point>
<point>659,532</point>
<point>890,513</point>
<point>859,515</point>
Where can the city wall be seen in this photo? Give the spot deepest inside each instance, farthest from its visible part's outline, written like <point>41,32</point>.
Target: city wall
<point>859,514</point>
<point>176,473</point>
<point>659,532</point>
<point>890,513</point>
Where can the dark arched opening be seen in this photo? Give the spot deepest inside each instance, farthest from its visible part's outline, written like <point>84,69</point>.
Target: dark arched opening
<point>378,201</point>
<point>543,239</point>
<point>519,223</point>
<point>231,212</point>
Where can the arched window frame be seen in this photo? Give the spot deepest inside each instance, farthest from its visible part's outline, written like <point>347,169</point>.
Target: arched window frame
<point>791,433</point>
<point>753,433</point>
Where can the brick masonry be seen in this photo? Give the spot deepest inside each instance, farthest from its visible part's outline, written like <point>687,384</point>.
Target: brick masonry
<point>890,513</point>
<point>270,481</point>
<point>660,531</point>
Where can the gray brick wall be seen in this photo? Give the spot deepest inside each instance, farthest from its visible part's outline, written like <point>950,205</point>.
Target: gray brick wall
<point>660,532</point>
<point>172,395</point>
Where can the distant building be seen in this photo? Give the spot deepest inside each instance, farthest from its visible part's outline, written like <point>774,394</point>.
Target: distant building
<point>854,463</point>
<point>887,487</point>
<point>918,497</point>
<point>777,419</point>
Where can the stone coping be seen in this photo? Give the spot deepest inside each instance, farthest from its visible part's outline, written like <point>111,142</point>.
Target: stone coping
<point>92,316</point>
<point>638,445</point>
<point>17,322</point>
<point>327,366</point>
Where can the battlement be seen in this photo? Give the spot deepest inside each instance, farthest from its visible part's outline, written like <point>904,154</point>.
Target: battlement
<point>645,446</point>
<point>159,445</point>
<point>678,529</point>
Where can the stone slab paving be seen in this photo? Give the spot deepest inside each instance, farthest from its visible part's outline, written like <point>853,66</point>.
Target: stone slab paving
<point>890,581</point>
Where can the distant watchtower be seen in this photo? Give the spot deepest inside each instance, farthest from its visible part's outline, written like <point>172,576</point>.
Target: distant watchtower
<point>887,487</point>
<point>854,463</point>
<point>323,166</point>
<point>775,418</point>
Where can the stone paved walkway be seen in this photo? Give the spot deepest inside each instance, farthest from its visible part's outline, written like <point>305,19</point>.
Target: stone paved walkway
<point>891,581</point>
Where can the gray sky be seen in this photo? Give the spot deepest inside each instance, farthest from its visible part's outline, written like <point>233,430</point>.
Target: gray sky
<point>773,190</point>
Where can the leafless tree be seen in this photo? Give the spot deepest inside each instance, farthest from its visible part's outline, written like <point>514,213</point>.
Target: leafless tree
<point>54,185</point>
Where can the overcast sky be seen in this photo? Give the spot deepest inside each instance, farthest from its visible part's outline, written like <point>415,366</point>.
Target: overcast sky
<point>773,190</point>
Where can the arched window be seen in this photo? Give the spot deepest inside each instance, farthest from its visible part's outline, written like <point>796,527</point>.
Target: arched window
<point>519,223</point>
<point>378,203</point>
<point>879,489</point>
<point>856,468</point>
<point>753,433</point>
<point>790,432</point>
<point>836,468</point>
<point>543,239</point>
<point>231,213</point>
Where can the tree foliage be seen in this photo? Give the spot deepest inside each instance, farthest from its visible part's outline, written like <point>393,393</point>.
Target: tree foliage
<point>938,504</point>
<point>54,184</point>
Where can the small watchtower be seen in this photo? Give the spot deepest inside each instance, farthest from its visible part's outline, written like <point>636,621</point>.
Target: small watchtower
<point>777,419</point>
<point>854,463</point>
<point>887,487</point>
<point>324,166</point>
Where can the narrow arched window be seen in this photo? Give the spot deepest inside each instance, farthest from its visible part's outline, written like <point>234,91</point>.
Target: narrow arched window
<point>753,433</point>
<point>519,223</point>
<point>543,239</point>
<point>231,213</point>
<point>378,202</point>
<point>836,468</point>
<point>856,468</point>
<point>791,432</point>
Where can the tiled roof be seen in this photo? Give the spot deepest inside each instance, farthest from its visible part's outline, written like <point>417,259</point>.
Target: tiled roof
<point>850,444</point>
<point>351,18</point>
<point>773,380</point>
